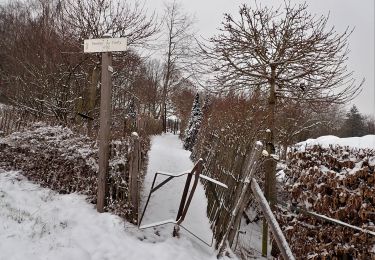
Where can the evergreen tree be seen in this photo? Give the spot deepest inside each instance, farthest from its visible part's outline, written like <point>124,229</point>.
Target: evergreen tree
<point>132,113</point>
<point>207,103</point>
<point>194,124</point>
<point>354,124</point>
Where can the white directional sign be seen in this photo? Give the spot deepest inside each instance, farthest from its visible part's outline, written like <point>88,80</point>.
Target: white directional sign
<point>105,45</point>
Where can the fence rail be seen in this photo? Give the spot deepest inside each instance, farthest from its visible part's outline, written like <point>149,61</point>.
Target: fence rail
<point>16,119</point>
<point>11,120</point>
<point>240,201</point>
<point>272,222</point>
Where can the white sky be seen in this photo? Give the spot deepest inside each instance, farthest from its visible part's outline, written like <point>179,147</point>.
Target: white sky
<point>343,13</point>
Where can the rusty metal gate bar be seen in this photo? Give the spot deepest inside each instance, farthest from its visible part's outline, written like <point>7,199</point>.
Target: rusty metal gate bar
<point>185,199</point>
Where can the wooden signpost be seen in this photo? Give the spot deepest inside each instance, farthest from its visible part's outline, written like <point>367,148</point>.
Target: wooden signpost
<point>106,46</point>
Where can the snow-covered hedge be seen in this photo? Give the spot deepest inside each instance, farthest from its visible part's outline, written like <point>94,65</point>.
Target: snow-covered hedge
<point>59,159</point>
<point>338,182</point>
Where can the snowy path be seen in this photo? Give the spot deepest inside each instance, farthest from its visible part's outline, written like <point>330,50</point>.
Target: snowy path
<point>167,155</point>
<point>39,224</point>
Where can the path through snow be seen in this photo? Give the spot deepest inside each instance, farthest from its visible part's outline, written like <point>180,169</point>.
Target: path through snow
<point>39,224</point>
<point>167,155</point>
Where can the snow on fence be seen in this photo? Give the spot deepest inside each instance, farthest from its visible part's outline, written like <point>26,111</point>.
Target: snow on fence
<point>12,120</point>
<point>226,207</point>
<point>241,201</point>
<point>127,161</point>
<point>227,167</point>
<point>57,158</point>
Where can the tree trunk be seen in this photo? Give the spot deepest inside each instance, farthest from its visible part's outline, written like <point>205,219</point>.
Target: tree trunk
<point>270,164</point>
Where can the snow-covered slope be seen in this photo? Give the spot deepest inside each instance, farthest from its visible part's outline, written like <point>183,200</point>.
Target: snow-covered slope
<point>39,224</point>
<point>367,141</point>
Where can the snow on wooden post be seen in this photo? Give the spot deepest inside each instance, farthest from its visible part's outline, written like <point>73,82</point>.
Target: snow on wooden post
<point>274,226</point>
<point>106,46</point>
<point>134,169</point>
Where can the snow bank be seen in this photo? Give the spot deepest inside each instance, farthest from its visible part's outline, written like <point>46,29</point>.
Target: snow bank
<point>39,224</point>
<point>367,141</point>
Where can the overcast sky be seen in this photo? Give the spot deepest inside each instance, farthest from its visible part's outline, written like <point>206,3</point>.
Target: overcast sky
<point>343,13</point>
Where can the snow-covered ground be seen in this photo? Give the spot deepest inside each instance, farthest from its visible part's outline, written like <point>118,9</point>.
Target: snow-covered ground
<point>367,141</point>
<point>39,224</point>
<point>167,155</point>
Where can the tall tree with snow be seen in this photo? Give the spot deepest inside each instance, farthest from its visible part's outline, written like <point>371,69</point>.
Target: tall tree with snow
<point>194,124</point>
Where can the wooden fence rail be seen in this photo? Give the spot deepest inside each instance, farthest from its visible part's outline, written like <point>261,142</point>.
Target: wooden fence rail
<point>14,120</point>
<point>272,222</point>
<point>240,200</point>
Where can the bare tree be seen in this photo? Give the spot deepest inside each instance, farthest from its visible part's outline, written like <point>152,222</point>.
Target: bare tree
<point>43,68</point>
<point>151,88</point>
<point>179,39</point>
<point>295,120</point>
<point>35,72</point>
<point>93,19</point>
<point>286,52</point>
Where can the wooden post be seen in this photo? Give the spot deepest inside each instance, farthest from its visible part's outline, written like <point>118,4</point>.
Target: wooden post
<point>163,118</point>
<point>134,168</point>
<point>2,124</point>
<point>91,96</point>
<point>105,128</point>
<point>7,122</point>
<point>268,172</point>
<point>274,226</point>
